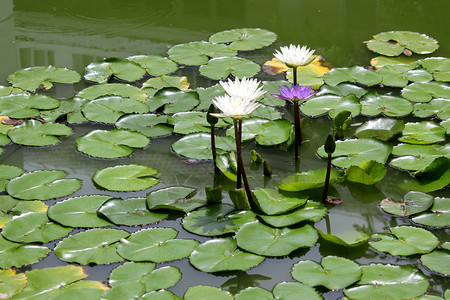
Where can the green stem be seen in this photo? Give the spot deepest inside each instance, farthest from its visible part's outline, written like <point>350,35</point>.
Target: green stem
<point>297,128</point>
<point>213,149</point>
<point>327,179</point>
<point>240,163</point>
<point>294,73</point>
<point>237,136</point>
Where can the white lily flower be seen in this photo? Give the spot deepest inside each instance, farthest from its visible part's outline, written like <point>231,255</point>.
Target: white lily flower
<point>295,56</point>
<point>234,106</point>
<point>245,89</point>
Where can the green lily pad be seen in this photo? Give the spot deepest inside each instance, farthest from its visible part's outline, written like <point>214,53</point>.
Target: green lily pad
<point>254,292</point>
<point>307,180</point>
<point>368,173</point>
<point>113,89</point>
<point>394,75</point>
<point>11,282</point>
<point>333,105</point>
<point>354,74</point>
<point>438,66</point>
<point>417,157</point>
<point>207,94</point>
<point>198,53</point>
<point>8,90</point>
<point>96,246</point>
<point>437,216</point>
<point>271,202</point>
<point>434,177</point>
<point>383,129</point>
<point>413,203</point>
<point>373,104</point>
<point>129,212</point>
<point>110,144</point>
<point>206,292</point>
<point>155,245</point>
<point>227,164</point>
<point>263,240</point>
<point>354,152</point>
<point>70,108</point>
<point>272,87</point>
<point>381,61</point>
<point>216,219</point>
<point>265,132</point>
<point>220,68</point>
<point>126,178</point>
<point>437,261</point>
<point>333,272</point>
<point>35,133</point>
<point>446,125</point>
<point>198,146</point>
<point>191,122</point>
<point>425,91</point>
<point>79,211</point>
<point>222,255</point>
<point>109,109</point>
<point>405,240</point>
<point>342,89</point>
<point>289,290</point>
<point>347,238</point>
<point>439,107</point>
<point>42,185</point>
<point>393,43</point>
<point>425,132</point>
<point>31,78</point>
<point>158,83</point>
<point>173,100</point>
<point>19,254</point>
<point>25,106</point>
<point>124,69</point>
<point>150,125</point>
<point>312,211</point>
<point>10,207</point>
<point>244,38</point>
<point>8,172</point>
<point>175,198</point>
<point>155,65</point>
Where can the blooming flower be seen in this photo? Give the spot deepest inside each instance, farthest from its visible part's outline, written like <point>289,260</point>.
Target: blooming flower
<point>295,56</point>
<point>234,106</point>
<point>245,89</point>
<point>295,92</point>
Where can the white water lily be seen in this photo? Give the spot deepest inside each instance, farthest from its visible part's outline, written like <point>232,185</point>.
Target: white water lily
<point>245,89</point>
<point>234,106</point>
<point>295,56</point>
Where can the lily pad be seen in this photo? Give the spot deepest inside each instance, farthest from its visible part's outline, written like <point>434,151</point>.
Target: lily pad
<point>263,240</point>
<point>373,104</point>
<point>126,178</point>
<point>333,105</point>
<point>35,133</point>
<point>8,90</point>
<point>383,128</point>
<point>19,106</point>
<point>368,173</point>
<point>244,38</point>
<point>394,75</point>
<point>176,198</point>
<point>79,211</point>
<point>157,83</point>
<point>439,107</point>
<point>265,132</point>
<point>124,69</point>
<point>393,43</point>
<point>10,207</point>
<point>198,53</point>
<point>437,216</point>
<point>434,177</point>
<point>333,272</point>
<point>307,180</point>
<point>288,290</point>
<point>381,61</point>
<point>207,94</point>
<point>70,108</point>
<point>216,219</point>
<point>129,212</point>
<point>206,292</point>
<point>222,255</point>
<point>113,89</point>
<point>405,240</point>
<point>31,78</point>
<point>192,121</point>
<point>12,282</point>
<point>19,254</point>
<point>413,203</point>
<point>253,292</point>
<point>155,65</point>
<point>8,172</point>
<point>438,66</point>
<point>354,74</point>
<point>110,144</point>
<point>342,89</point>
<point>425,132</point>
<point>437,261</point>
<point>425,91</point>
<point>347,238</point>
<point>42,185</point>
<point>155,245</point>
<point>312,211</point>
<point>96,246</point>
<point>222,67</point>
<point>150,125</point>
<point>198,146</point>
<point>271,202</point>
<point>173,100</point>
<point>354,152</point>
<point>417,157</point>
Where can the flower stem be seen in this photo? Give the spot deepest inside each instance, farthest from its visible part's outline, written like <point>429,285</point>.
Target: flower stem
<point>327,179</point>
<point>297,127</point>
<point>294,73</point>
<point>213,149</point>
<point>240,162</point>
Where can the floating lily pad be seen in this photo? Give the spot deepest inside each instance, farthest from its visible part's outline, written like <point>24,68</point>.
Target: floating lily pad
<point>12,282</point>
<point>244,38</point>
<point>271,202</point>
<point>437,216</point>
<point>96,246</point>
<point>206,292</point>
<point>79,211</point>
<point>354,152</point>
<point>312,212</point>
<point>26,106</point>
<point>354,74</point>
<point>130,212</point>
<point>198,146</point>
<point>417,157</point>
<point>425,132</point>
<point>111,144</point>
<point>381,61</point>
<point>42,185</point>
<point>150,125</point>
<point>8,172</point>
<point>405,240</point>
<point>113,89</point>
<point>222,67</point>
<point>192,121</point>
<point>263,240</point>
<point>157,83</point>
<point>394,75</point>
<point>383,128</point>
<point>18,254</point>
<point>425,91</point>
<point>217,219</point>
<point>8,90</point>
<point>288,290</point>
<point>342,89</point>
<point>121,68</point>
<point>155,65</point>
<point>10,207</point>
<point>222,255</point>
<point>253,292</point>
<point>413,203</point>
<point>393,43</point>
<point>437,261</point>
<point>126,177</point>
<point>332,105</point>
<point>265,132</point>
<point>35,133</point>
<point>439,107</point>
<point>198,53</point>
<point>207,94</point>
<point>31,78</point>
<point>173,100</point>
<point>175,198</point>
<point>307,180</point>
<point>227,164</point>
<point>70,108</point>
<point>347,238</point>
<point>434,177</point>
<point>368,173</point>
<point>438,66</point>
<point>373,104</point>
<point>155,245</point>
<point>333,272</point>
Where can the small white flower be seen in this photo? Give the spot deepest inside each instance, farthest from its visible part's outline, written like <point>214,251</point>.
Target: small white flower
<point>234,106</point>
<point>245,89</point>
<point>295,56</point>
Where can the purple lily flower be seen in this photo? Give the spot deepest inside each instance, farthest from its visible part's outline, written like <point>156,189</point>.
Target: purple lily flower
<point>295,92</point>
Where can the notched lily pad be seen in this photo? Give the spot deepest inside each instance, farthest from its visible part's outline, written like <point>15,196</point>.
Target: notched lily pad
<point>425,132</point>
<point>173,100</point>
<point>20,106</point>
<point>285,290</point>
<point>354,74</point>
<point>198,53</point>
<point>413,203</point>
<point>35,133</point>
<point>155,65</point>
<point>271,202</point>
<point>438,66</point>
<point>198,146</point>
<point>70,108</point>
<point>265,132</point>
<point>158,83</point>
<point>175,198</point>
<point>437,261</point>
<point>126,177</point>
<point>368,173</point>
<point>426,91</point>
<point>113,89</point>
<point>31,78</point>
<point>18,254</point>
<point>150,125</point>
<point>437,216</point>
<point>121,68</point>
<point>383,128</point>
<point>348,238</point>
<point>393,43</point>
<point>439,107</point>
<point>307,180</point>
<point>392,106</point>
<point>331,104</point>
<point>312,211</point>
<point>220,68</point>
<point>244,38</point>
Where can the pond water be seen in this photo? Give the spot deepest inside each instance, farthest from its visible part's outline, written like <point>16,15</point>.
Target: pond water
<point>73,34</point>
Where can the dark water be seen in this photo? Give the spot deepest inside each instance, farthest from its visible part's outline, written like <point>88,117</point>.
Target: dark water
<point>74,33</point>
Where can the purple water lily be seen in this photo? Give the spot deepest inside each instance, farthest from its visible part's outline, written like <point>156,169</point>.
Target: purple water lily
<point>295,92</point>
